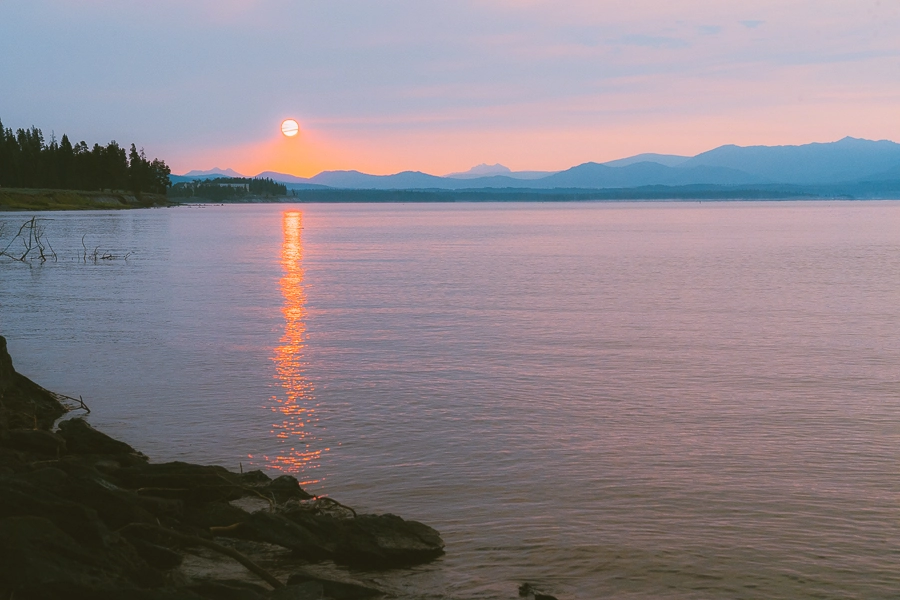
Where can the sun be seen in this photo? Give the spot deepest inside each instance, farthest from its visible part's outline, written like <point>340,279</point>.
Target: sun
<point>290,127</point>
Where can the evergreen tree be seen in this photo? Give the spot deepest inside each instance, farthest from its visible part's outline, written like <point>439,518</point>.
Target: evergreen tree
<point>27,161</point>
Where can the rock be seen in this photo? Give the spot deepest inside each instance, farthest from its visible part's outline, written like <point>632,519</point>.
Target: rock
<point>254,478</point>
<point>229,590</point>
<point>309,590</point>
<point>215,514</point>
<point>526,590</point>
<point>284,488</point>
<point>23,403</point>
<point>40,560</point>
<point>156,556</point>
<point>37,441</point>
<point>335,587</point>
<point>281,531</point>
<point>387,541</point>
<point>194,484</point>
<point>19,498</point>
<point>81,438</point>
<point>36,551</point>
<point>50,479</point>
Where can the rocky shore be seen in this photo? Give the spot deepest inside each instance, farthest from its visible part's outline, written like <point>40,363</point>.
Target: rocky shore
<point>83,515</point>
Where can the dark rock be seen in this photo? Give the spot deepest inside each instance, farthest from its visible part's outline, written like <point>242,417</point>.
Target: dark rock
<point>254,478</point>
<point>156,556</point>
<point>39,557</point>
<point>284,488</point>
<point>12,460</point>
<point>281,531</point>
<point>36,551</point>
<point>310,590</point>
<point>229,590</point>
<point>194,484</point>
<point>68,591</point>
<point>526,590</point>
<point>338,588</point>
<point>81,438</point>
<point>387,541</point>
<point>215,514</point>
<point>23,403</point>
<point>50,479</point>
<point>19,498</point>
<point>37,441</point>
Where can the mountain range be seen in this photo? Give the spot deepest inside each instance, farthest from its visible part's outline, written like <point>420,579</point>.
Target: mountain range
<point>849,160</point>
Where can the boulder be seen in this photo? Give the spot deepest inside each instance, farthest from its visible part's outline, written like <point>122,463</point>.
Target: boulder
<point>281,531</point>
<point>81,438</point>
<point>37,441</point>
<point>194,484</point>
<point>284,488</point>
<point>309,590</point>
<point>19,498</point>
<point>229,590</point>
<point>526,590</point>
<point>36,551</point>
<point>41,560</point>
<point>156,556</point>
<point>387,541</point>
<point>23,403</point>
<point>215,514</point>
<point>337,587</point>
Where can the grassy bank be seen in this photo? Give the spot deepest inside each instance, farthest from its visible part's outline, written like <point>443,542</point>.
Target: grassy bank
<point>14,199</point>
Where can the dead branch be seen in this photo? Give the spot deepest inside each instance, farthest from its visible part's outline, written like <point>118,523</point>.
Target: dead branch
<point>190,540</point>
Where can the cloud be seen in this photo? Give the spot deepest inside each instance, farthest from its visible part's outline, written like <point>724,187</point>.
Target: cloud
<point>399,76</point>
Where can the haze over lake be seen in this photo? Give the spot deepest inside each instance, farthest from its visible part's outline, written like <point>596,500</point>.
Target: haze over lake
<point>628,400</point>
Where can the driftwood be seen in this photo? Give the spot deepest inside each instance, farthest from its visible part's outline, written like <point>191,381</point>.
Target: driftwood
<point>190,540</point>
<point>31,234</point>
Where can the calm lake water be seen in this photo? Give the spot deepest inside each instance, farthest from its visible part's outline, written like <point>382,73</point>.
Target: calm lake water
<point>610,400</point>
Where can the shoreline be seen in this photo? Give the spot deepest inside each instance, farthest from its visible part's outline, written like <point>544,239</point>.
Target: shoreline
<point>85,515</point>
<point>28,199</point>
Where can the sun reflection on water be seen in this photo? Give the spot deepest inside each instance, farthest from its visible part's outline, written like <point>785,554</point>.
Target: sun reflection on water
<point>295,405</point>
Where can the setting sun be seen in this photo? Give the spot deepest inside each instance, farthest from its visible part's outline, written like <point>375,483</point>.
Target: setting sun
<point>290,127</point>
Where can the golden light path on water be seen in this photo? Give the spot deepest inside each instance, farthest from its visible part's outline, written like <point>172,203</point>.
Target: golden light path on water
<point>295,405</point>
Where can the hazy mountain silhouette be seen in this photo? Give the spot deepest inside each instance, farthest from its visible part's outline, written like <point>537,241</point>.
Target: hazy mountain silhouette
<point>847,162</point>
<point>214,172</point>
<point>484,170</point>
<point>593,175</point>
<point>849,159</point>
<point>669,160</point>
<point>889,175</point>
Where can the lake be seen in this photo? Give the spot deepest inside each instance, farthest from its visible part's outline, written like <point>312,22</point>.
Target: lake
<point>610,400</point>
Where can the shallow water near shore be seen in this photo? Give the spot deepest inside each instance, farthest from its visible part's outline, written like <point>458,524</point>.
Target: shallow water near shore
<point>624,400</point>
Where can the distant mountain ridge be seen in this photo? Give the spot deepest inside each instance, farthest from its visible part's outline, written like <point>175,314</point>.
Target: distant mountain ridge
<point>847,160</point>
<point>484,170</point>
<point>214,172</point>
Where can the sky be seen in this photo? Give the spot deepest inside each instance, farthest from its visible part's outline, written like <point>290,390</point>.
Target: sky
<point>438,86</point>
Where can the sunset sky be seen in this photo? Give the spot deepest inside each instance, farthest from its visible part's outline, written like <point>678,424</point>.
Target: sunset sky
<point>439,86</point>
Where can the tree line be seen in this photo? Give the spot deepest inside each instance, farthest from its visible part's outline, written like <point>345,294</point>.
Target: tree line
<point>27,160</point>
<point>225,189</point>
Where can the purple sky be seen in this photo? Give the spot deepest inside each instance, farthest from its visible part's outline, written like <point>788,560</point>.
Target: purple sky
<point>439,86</point>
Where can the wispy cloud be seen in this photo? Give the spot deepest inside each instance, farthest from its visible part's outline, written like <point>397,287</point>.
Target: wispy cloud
<point>540,80</point>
